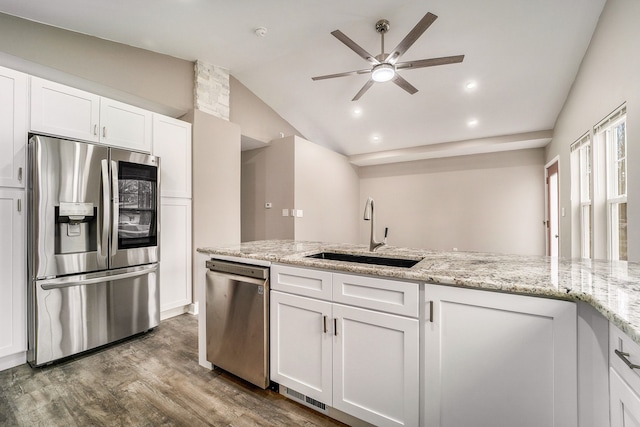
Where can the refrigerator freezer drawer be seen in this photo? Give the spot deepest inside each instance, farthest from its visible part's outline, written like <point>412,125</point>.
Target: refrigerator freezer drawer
<point>78,313</point>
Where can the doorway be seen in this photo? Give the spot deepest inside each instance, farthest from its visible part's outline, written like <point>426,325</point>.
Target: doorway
<point>552,222</point>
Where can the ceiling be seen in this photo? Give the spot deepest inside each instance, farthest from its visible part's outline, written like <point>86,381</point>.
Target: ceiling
<point>523,56</point>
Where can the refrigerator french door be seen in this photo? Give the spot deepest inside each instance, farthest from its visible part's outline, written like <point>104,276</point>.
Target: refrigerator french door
<point>93,246</point>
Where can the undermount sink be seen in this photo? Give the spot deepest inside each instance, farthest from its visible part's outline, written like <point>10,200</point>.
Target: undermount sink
<point>367,259</point>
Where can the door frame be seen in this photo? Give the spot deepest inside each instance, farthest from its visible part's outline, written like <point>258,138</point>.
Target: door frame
<point>547,206</point>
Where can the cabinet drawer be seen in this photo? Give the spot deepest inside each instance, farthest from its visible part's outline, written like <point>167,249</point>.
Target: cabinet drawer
<point>391,296</point>
<point>301,281</point>
<point>620,341</point>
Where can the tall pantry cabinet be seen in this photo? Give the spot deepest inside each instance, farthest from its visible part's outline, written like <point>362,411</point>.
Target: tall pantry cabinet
<point>13,138</point>
<point>172,143</point>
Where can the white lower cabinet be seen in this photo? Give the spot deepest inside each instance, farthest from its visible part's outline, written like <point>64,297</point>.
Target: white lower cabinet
<point>625,403</point>
<point>175,255</point>
<point>301,345</point>
<point>13,303</point>
<point>362,362</point>
<point>624,379</point>
<point>376,366</point>
<point>494,359</point>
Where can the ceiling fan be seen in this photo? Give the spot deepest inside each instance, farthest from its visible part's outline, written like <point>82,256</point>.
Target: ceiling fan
<point>385,66</point>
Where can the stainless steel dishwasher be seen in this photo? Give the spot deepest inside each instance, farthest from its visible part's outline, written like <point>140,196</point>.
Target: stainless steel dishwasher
<point>238,320</point>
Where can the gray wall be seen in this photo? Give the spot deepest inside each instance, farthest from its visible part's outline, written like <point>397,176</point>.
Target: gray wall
<point>607,77</point>
<point>257,120</point>
<point>137,76</point>
<point>293,173</point>
<point>485,202</point>
<point>268,175</point>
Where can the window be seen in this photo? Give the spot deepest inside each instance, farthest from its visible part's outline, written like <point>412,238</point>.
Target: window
<point>599,190</point>
<point>582,158</point>
<point>615,139</point>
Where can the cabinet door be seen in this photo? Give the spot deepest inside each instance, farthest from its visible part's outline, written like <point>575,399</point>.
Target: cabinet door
<point>12,273</point>
<point>302,281</point>
<point>376,366</point>
<point>64,111</point>
<point>125,126</point>
<point>625,404</point>
<point>172,143</point>
<point>624,381</point>
<point>494,359</point>
<point>175,255</point>
<point>13,127</point>
<point>391,296</point>
<point>300,352</point>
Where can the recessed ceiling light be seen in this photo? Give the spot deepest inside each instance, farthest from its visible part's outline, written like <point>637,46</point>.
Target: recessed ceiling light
<point>357,111</point>
<point>376,139</point>
<point>472,123</point>
<point>470,85</point>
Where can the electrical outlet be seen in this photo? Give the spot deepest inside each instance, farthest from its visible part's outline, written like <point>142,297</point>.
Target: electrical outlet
<point>299,213</point>
<point>285,212</point>
<point>268,205</point>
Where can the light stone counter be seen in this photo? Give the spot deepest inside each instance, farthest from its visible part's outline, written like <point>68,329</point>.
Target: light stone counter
<point>613,288</point>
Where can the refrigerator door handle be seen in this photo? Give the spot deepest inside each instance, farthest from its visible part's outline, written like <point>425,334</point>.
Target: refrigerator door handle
<point>68,282</point>
<point>116,207</point>
<point>103,244</point>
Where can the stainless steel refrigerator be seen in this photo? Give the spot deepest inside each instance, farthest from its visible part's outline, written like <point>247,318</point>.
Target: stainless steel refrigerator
<point>93,246</point>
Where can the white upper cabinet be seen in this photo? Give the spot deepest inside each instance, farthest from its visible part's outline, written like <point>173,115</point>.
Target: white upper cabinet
<point>172,143</point>
<point>13,127</point>
<point>64,111</point>
<point>123,125</point>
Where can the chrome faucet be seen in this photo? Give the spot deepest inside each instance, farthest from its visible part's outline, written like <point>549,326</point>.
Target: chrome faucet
<point>369,215</point>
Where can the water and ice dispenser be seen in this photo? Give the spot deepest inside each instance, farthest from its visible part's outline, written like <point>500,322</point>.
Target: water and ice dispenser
<point>76,227</point>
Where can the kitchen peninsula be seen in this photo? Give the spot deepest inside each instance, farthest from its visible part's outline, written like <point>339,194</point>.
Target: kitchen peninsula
<point>454,286</point>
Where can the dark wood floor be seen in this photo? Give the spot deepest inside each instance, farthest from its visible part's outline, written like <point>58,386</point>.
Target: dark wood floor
<point>151,380</point>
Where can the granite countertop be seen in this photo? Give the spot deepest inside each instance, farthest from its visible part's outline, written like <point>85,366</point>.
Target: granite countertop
<point>612,288</point>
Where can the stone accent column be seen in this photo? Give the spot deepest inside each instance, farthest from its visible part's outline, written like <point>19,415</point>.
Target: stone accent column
<point>211,89</point>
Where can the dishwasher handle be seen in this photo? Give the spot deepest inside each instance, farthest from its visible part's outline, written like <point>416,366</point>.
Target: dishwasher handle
<point>238,269</point>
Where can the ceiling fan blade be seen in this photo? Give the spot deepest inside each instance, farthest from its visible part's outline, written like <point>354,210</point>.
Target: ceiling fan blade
<point>365,88</point>
<point>404,84</point>
<point>355,47</point>
<point>421,63</point>
<point>410,39</point>
<point>348,73</point>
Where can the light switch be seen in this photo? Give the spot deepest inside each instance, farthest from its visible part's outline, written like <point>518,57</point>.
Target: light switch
<point>285,212</point>
<point>299,213</point>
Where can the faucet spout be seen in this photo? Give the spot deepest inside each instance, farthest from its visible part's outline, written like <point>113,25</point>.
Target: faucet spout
<point>369,215</point>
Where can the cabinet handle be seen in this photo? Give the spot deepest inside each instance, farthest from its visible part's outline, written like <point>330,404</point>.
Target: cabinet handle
<point>335,326</point>
<point>431,311</point>
<point>324,323</point>
<point>95,130</point>
<point>19,205</point>
<point>624,357</point>
<point>20,174</point>
<point>104,131</point>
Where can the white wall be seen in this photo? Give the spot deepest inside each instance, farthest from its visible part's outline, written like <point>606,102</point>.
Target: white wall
<point>486,202</point>
<point>608,76</point>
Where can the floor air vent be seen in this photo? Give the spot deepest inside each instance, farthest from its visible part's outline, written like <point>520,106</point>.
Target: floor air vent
<point>306,400</point>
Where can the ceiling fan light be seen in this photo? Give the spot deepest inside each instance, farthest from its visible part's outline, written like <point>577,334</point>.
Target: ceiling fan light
<point>383,72</point>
